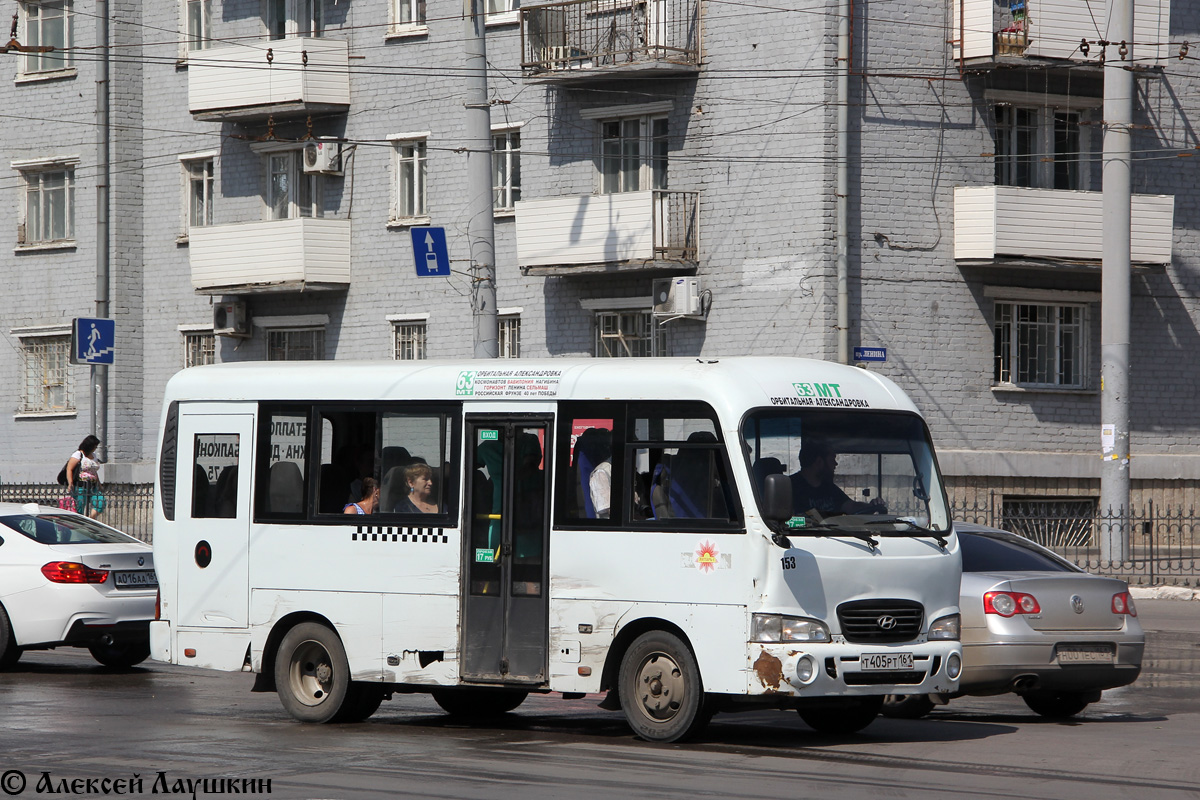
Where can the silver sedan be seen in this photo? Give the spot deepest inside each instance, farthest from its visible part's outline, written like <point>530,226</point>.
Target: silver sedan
<point>1036,625</point>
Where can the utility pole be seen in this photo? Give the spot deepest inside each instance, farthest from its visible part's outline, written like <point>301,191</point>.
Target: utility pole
<point>100,371</point>
<point>843,182</point>
<point>1115,283</point>
<point>480,224</point>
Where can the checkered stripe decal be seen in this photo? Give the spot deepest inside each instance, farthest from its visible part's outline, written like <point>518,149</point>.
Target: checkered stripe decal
<point>371,533</point>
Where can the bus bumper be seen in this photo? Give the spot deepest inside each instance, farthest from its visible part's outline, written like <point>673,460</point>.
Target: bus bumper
<point>836,669</point>
<point>160,640</point>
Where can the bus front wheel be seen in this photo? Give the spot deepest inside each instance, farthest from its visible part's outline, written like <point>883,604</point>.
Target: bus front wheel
<point>312,675</point>
<point>661,692</point>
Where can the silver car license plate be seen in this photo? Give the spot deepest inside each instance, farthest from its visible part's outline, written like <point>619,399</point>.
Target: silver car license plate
<point>142,578</point>
<point>1085,654</point>
<point>883,662</point>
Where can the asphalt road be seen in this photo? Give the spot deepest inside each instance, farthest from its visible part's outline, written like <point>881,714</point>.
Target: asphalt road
<point>63,715</point>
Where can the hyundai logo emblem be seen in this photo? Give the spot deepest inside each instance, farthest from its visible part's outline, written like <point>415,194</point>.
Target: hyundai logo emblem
<point>886,622</point>
<point>1077,603</point>
<point>141,561</point>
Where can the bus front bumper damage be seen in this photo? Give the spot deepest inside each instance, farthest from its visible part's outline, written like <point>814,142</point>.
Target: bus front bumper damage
<point>843,670</point>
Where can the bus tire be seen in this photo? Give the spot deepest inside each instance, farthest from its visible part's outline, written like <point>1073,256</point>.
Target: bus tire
<point>475,703</point>
<point>9,652</point>
<point>847,717</point>
<point>363,700</point>
<point>660,687</point>
<point>312,674</point>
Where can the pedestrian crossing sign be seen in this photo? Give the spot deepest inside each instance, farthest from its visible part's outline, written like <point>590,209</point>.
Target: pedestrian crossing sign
<point>93,341</point>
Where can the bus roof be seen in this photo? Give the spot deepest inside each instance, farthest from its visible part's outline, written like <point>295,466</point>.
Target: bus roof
<point>731,385</point>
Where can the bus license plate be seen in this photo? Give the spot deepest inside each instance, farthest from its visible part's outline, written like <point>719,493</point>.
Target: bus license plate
<point>136,580</point>
<point>1085,654</point>
<point>878,662</point>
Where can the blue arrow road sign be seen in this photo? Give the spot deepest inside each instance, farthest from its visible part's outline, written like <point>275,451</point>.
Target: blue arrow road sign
<point>429,249</point>
<point>870,354</point>
<point>93,341</point>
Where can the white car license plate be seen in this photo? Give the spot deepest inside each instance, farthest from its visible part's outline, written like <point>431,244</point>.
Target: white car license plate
<point>1085,654</point>
<point>138,579</point>
<point>877,662</point>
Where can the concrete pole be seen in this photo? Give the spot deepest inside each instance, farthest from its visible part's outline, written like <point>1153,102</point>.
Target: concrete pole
<point>100,371</point>
<point>480,225</point>
<point>842,190</point>
<point>1115,283</point>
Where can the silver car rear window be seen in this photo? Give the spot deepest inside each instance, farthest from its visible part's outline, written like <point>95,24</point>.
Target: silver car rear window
<point>64,529</point>
<point>987,554</point>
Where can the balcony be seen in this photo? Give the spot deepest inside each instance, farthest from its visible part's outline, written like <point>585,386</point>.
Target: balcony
<point>994,223</point>
<point>281,77</point>
<point>586,40</point>
<point>279,255</point>
<point>989,34</point>
<point>598,233</point>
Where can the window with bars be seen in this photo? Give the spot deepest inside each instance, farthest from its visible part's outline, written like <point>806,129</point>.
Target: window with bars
<point>409,341</point>
<point>48,24</point>
<point>198,21</point>
<point>1040,345</point>
<point>506,168</point>
<point>296,344</point>
<point>633,154</point>
<point>510,337</point>
<point>47,374</point>
<point>410,179</point>
<point>1039,147</point>
<point>199,179</point>
<point>629,334</point>
<point>199,348</point>
<point>49,206</point>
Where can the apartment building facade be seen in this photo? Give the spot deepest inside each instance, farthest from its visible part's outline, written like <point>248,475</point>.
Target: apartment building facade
<point>271,158</point>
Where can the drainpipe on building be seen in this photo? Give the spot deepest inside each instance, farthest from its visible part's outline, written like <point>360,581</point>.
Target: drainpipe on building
<point>842,189</point>
<point>100,371</point>
<point>481,234</point>
<point>1115,283</point>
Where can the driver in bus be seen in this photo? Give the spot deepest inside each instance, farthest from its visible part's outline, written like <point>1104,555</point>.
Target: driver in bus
<point>813,487</point>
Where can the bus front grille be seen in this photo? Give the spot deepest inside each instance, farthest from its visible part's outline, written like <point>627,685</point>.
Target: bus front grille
<point>881,621</point>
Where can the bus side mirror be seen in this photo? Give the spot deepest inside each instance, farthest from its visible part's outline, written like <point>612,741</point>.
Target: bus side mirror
<point>777,498</point>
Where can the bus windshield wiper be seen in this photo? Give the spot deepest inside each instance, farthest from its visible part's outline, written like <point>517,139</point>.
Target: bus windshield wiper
<point>825,527</point>
<point>913,529</point>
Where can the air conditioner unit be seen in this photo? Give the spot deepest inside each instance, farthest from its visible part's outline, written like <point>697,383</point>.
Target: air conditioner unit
<point>677,297</point>
<point>229,319</point>
<point>323,156</point>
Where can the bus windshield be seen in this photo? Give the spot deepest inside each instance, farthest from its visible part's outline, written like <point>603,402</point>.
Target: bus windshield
<point>859,469</point>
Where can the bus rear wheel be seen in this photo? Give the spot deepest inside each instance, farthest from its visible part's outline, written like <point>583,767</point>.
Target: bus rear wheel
<point>661,692</point>
<point>845,718</point>
<point>312,674</point>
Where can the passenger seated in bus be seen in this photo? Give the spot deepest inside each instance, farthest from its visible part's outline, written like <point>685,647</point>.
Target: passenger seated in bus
<point>694,490</point>
<point>813,488</point>
<point>593,461</point>
<point>368,502</point>
<point>418,476</point>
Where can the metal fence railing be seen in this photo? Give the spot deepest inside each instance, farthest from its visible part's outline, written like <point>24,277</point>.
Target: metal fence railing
<point>1151,545</point>
<point>127,507</point>
<point>677,225</point>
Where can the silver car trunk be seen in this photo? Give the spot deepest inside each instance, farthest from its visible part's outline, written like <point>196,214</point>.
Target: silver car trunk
<point>1069,602</point>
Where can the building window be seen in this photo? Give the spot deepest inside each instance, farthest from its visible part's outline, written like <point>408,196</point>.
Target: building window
<point>48,24</point>
<point>296,344</point>
<point>502,6</point>
<point>198,178</point>
<point>1040,345</point>
<point>410,179</point>
<point>629,334</point>
<point>633,154</point>
<point>292,192</point>
<point>506,168</point>
<point>407,14</point>
<point>47,374</point>
<point>510,336</point>
<point>199,348</point>
<point>1039,148</point>
<point>49,206</point>
<point>295,18</point>
<point>410,341</point>
<point>198,19</point>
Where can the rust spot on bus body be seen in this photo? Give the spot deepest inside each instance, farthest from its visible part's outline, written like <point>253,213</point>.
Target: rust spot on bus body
<point>769,670</point>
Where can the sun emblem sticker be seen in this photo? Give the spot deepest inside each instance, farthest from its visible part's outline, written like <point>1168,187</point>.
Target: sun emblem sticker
<point>706,557</point>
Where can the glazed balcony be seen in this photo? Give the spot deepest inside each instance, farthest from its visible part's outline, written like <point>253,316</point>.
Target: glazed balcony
<point>280,77</point>
<point>587,40</point>
<point>279,255</point>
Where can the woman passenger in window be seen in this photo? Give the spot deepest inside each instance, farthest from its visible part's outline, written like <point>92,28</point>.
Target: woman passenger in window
<point>420,500</point>
<point>369,501</point>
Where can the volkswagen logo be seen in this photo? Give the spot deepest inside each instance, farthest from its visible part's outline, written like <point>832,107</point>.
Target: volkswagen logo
<point>141,561</point>
<point>886,622</point>
<point>1077,603</point>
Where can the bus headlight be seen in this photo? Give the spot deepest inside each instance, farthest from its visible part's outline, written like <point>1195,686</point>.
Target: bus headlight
<point>778,628</point>
<point>946,629</point>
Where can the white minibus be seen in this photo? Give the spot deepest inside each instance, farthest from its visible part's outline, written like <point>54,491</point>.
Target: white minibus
<point>687,536</point>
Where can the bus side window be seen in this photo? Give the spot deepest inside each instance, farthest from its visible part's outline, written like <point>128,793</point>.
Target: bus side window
<point>214,489</point>
<point>415,447</point>
<point>283,437</point>
<point>677,466</point>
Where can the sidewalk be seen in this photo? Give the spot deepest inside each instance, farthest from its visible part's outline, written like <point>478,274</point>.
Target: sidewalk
<point>1164,593</point>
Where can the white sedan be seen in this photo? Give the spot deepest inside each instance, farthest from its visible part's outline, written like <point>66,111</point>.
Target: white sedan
<point>66,580</point>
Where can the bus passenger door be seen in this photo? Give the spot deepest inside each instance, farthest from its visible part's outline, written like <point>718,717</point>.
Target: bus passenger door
<point>505,604</point>
<point>216,454</point>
